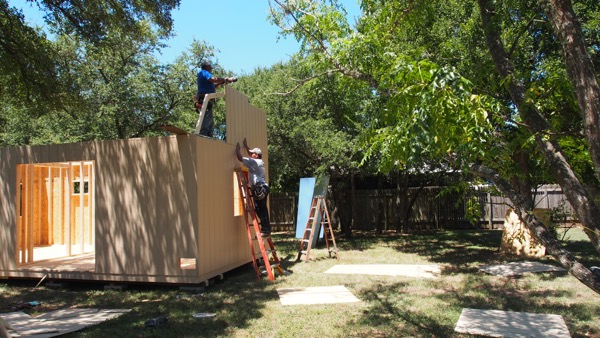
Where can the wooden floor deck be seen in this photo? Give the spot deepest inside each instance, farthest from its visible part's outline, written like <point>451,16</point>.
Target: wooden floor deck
<point>51,263</point>
<point>54,258</point>
<point>83,262</point>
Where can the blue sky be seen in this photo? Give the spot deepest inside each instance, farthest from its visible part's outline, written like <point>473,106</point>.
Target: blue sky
<point>238,29</point>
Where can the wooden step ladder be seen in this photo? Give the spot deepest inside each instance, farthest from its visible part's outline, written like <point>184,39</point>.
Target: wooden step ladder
<point>267,255</point>
<point>318,215</point>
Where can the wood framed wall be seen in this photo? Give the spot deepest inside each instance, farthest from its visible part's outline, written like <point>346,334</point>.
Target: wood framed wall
<point>54,206</point>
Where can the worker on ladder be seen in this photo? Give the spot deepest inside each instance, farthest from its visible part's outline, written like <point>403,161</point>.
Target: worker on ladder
<point>207,84</point>
<point>258,184</point>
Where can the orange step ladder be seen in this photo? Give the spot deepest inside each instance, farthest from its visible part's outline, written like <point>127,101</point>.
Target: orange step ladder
<point>318,215</point>
<point>267,255</point>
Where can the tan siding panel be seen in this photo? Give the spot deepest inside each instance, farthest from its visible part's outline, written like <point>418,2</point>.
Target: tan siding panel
<point>221,234</point>
<point>143,210</point>
<point>9,158</point>
<point>246,121</point>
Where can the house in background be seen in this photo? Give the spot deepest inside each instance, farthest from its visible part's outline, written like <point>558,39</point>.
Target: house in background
<point>159,209</point>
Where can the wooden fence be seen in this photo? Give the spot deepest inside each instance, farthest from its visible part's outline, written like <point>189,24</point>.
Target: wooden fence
<point>283,211</point>
<point>431,210</point>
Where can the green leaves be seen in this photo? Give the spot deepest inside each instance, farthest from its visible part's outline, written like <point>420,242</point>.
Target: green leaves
<point>95,79</point>
<point>93,20</point>
<point>28,67</point>
<point>436,93</point>
<point>431,114</point>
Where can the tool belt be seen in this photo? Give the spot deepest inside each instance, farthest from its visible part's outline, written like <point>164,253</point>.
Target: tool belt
<point>260,191</point>
<point>198,100</point>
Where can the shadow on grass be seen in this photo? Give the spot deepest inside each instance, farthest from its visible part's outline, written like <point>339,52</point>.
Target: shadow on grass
<point>584,251</point>
<point>365,240</point>
<point>401,309</point>
<point>518,295</point>
<point>457,247</point>
<point>390,311</point>
<point>235,301</point>
<point>392,308</point>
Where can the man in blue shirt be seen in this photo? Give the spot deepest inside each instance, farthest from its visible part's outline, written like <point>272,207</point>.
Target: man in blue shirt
<point>208,84</point>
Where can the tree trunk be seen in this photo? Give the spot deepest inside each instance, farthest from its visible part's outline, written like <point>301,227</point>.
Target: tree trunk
<point>539,230</point>
<point>579,68</point>
<point>522,182</point>
<point>582,74</point>
<point>587,210</point>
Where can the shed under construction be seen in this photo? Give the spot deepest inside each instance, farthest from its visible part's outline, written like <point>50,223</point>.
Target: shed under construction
<point>160,209</point>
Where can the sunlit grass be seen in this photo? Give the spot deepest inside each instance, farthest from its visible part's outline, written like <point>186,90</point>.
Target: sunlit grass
<point>391,306</point>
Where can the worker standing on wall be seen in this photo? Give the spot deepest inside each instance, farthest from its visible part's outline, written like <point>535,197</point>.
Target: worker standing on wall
<point>258,184</point>
<point>208,84</point>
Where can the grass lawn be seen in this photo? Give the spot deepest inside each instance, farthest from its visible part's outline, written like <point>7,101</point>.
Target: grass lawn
<point>390,306</point>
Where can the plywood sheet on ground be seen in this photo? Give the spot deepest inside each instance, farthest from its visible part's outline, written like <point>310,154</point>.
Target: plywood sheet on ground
<point>496,323</point>
<point>58,322</point>
<point>407,270</point>
<point>519,268</point>
<point>316,295</point>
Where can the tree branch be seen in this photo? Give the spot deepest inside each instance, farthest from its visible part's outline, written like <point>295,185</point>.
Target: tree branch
<point>304,81</point>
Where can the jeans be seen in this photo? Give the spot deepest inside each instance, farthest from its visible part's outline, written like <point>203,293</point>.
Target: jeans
<point>208,124</point>
<point>262,211</point>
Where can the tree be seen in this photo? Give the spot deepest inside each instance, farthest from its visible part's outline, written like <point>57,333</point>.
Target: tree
<point>498,125</point>
<point>34,69</point>
<point>28,70</point>
<point>116,91</point>
<point>582,201</point>
<point>583,76</point>
<point>90,84</point>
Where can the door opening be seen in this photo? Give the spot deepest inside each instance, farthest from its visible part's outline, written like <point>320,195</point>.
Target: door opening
<point>55,210</point>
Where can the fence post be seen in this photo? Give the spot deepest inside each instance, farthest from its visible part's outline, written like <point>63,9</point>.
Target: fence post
<point>491,212</point>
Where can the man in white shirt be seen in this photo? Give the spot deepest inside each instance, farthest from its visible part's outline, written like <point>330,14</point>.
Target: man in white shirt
<point>258,184</point>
